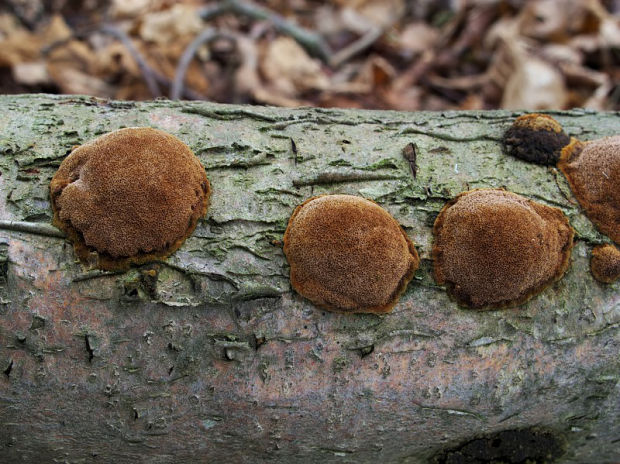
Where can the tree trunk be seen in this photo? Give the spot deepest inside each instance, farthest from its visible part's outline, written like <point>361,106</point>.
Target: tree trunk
<point>213,358</point>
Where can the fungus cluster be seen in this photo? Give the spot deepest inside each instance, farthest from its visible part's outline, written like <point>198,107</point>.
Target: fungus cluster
<point>537,138</point>
<point>497,249</point>
<point>605,263</point>
<point>593,172</point>
<point>129,196</point>
<point>348,254</point>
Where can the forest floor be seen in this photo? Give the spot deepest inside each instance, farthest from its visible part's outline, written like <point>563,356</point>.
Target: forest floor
<point>380,54</point>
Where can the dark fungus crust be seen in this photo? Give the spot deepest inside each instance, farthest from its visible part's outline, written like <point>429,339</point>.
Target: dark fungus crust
<point>605,263</point>
<point>593,172</point>
<point>536,138</point>
<point>129,196</point>
<point>496,249</point>
<point>347,254</point>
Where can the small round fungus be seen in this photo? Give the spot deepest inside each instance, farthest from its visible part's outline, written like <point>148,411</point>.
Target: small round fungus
<point>593,172</point>
<point>605,263</point>
<point>537,138</point>
<point>496,249</point>
<point>129,196</point>
<point>348,254</point>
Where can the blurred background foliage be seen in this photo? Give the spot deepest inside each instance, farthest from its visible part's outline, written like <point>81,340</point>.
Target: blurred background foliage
<point>380,54</point>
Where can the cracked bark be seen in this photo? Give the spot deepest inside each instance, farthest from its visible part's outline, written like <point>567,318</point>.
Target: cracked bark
<point>212,357</point>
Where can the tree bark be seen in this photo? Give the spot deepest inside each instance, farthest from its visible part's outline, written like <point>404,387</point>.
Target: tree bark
<point>213,357</point>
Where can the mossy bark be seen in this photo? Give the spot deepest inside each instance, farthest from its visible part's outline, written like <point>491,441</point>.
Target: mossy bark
<point>210,357</point>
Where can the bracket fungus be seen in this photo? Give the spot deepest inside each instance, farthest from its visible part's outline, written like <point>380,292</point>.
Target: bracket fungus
<point>129,196</point>
<point>593,172</point>
<point>605,263</point>
<point>497,249</point>
<point>348,254</point>
<point>537,138</point>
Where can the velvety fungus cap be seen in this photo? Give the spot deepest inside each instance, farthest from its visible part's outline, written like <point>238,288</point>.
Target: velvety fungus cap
<point>348,254</point>
<point>593,172</point>
<point>129,196</point>
<point>537,138</point>
<point>496,249</point>
<point>605,263</point>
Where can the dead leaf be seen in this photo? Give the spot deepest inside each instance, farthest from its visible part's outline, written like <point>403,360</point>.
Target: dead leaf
<point>21,45</point>
<point>418,37</point>
<point>9,25</point>
<point>164,27</point>
<point>381,13</point>
<point>290,70</point>
<point>376,73</point>
<point>55,31</point>
<point>73,81</point>
<point>534,85</point>
<point>32,73</point>
<point>129,8</point>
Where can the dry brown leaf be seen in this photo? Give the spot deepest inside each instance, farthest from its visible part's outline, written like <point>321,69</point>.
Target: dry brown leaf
<point>31,73</point>
<point>9,25</point>
<point>21,46</point>
<point>74,54</point>
<point>381,13</point>
<point>409,99</point>
<point>164,27</point>
<point>550,19</point>
<point>418,37</point>
<point>247,80</point>
<point>376,73</point>
<point>290,70</point>
<point>115,59</point>
<point>130,8</point>
<point>557,53</point>
<point>534,85</point>
<point>472,102</point>
<point>73,81</point>
<point>269,97</point>
<point>55,31</point>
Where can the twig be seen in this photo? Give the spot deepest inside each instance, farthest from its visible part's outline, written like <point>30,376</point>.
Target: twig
<point>206,36</point>
<point>212,11</point>
<point>365,41</point>
<point>38,228</point>
<point>147,71</point>
<point>312,42</point>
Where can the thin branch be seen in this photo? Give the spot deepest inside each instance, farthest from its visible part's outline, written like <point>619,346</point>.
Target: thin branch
<point>212,11</point>
<point>147,71</point>
<point>312,42</point>
<point>37,228</point>
<point>364,42</point>
<point>206,36</point>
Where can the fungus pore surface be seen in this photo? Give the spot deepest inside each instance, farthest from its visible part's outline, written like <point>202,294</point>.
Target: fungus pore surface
<point>605,263</point>
<point>496,249</point>
<point>348,254</point>
<point>537,138</point>
<point>593,172</point>
<point>129,196</point>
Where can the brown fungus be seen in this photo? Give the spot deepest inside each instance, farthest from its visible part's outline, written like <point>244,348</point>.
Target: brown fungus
<point>536,138</point>
<point>593,172</point>
<point>496,249</point>
<point>129,196</point>
<point>605,263</point>
<point>348,254</point>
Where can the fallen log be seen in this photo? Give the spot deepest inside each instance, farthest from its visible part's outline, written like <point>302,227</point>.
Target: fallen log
<point>209,356</point>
